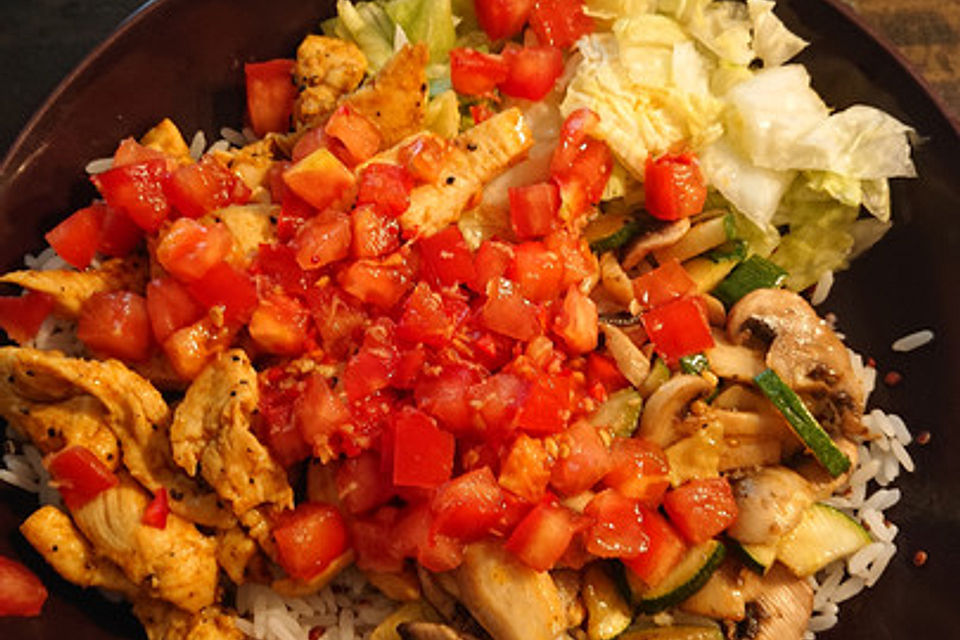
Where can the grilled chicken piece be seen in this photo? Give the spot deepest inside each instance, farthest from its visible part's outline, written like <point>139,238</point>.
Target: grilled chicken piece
<point>120,401</point>
<point>166,138</point>
<point>510,600</point>
<point>430,631</point>
<point>52,533</point>
<point>211,429</point>
<point>250,225</point>
<point>395,100</point>
<point>253,161</point>
<point>70,289</point>
<point>177,563</point>
<point>235,551</point>
<point>474,158</point>
<point>162,621</point>
<point>326,69</point>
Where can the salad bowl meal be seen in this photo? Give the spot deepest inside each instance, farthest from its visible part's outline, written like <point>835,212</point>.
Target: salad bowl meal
<point>459,319</point>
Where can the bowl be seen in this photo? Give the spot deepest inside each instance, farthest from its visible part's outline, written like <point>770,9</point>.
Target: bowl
<point>184,59</point>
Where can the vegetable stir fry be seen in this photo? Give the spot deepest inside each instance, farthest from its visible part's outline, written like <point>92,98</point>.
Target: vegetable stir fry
<point>496,302</point>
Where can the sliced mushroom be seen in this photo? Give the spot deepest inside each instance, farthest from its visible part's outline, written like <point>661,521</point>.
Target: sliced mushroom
<point>821,482</point>
<point>725,594</point>
<point>667,406</point>
<point>732,361</point>
<point>781,609</point>
<point>804,351</point>
<point>615,281</point>
<point>430,631</point>
<point>770,501</point>
<point>633,364</point>
<point>657,239</point>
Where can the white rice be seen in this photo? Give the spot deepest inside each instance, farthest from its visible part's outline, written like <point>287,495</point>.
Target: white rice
<point>912,341</point>
<point>822,289</point>
<point>198,145</point>
<point>99,166</point>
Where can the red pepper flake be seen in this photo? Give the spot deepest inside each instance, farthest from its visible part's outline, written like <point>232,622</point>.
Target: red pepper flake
<point>892,378</point>
<point>923,437</point>
<point>871,363</point>
<point>920,558</point>
<point>155,515</point>
<point>316,632</point>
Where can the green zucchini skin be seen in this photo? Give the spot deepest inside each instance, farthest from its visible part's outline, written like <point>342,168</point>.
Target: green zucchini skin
<point>753,273</point>
<point>686,578</point>
<point>612,231</point>
<point>680,632</point>
<point>823,535</point>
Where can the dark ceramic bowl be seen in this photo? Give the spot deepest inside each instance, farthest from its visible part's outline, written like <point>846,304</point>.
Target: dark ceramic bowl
<point>183,59</point>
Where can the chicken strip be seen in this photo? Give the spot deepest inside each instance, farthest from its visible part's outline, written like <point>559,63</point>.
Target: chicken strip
<point>70,289</point>
<point>211,430</point>
<point>119,400</point>
<point>396,99</point>
<point>250,225</point>
<point>162,621</point>
<point>326,69</point>
<point>175,563</point>
<point>166,138</point>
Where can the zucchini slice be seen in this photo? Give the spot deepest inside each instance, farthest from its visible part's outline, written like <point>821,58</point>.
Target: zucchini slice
<point>806,426</point>
<point>679,632</point>
<point>756,557</point>
<point>611,231</point>
<point>694,364</point>
<point>753,273</point>
<point>687,577</point>
<point>823,535</point>
<point>620,413</point>
<point>659,373</point>
<point>608,612</point>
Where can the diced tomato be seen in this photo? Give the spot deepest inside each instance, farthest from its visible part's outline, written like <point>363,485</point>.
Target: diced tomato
<point>674,187</point>
<point>116,324</point>
<point>319,414</point>
<point>665,548</point>
<point>444,396</point>
<point>422,453</point>
<point>129,151</point>
<point>79,475</point>
<point>309,539</point>
<point>277,264</point>
<point>279,325</point>
<point>475,73</point>
<point>434,551</point>
<point>375,539</point>
<point>546,409</point>
<point>701,509</point>
<point>204,186</point>
<point>446,258</point>
<point>423,157</point>
<point>481,112</point>
<point>502,18</point>
<point>77,238</point>
<point>226,286</point>
<point>119,235</point>
<point>355,131</point>
<point>155,515</point>
<point>310,141</point>
<point>467,507</point>
<point>189,249</point>
<point>321,180</point>
<point>424,318</point>
<point>639,470</point>
<point>277,428</point>
<point>583,461</point>
<point>533,209</point>
<point>170,307</point>
<point>537,271</point>
<point>137,190</point>
<point>370,417</point>
<point>495,401</point>
<point>21,316</point>
<point>531,71</point>
<point>385,186</point>
<point>381,283</point>
<point>583,184</point>
<point>559,23</point>
<point>360,485</point>
<point>322,240</point>
<point>490,262</point>
<point>617,530</point>
<point>577,322</point>
<point>664,284</point>
<point>526,469</point>
<point>190,348</point>
<point>21,592</point>
<point>409,367</point>
<point>678,329</point>
<point>544,535</point>
<point>603,369</point>
<point>578,261</point>
<point>371,368</point>
<point>374,234</point>
<point>507,312</point>
<point>270,95</point>
<point>338,318</point>
<point>294,211</point>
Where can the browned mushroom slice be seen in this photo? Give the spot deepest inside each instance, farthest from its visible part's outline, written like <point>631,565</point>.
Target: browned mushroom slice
<point>659,238</point>
<point>781,609</point>
<point>430,631</point>
<point>664,413</point>
<point>804,351</point>
<point>770,501</point>
<point>821,482</point>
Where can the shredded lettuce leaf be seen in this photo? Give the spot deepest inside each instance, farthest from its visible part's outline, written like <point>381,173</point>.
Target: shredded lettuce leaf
<point>772,41</point>
<point>753,190</point>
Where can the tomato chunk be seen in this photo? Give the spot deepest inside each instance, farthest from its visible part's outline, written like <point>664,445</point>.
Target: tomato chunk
<point>119,234</point>
<point>190,348</point>
<point>189,249</point>
<point>322,240</point>
<point>380,282</point>
<point>374,234</point>
<point>665,548</point>
<point>639,470</point>
<point>361,486</point>
<point>270,95</point>
<point>678,329</point>
<point>359,136</point>
<point>321,180</point>
<point>423,157</point>
<point>475,73</point>
<point>469,506</point>
<point>425,318</point>
<point>674,187</point>
<point>701,509</point>
<point>583,460</point>
<point>226,286</point>
<point>80,475</point>
<point>385,186</point>
<point>279,325</point>
<point>617,530</point>
<point>422,453</point>
<point>22,316</point>
<point>491,262</point>
<point>170,307</point>
<point>526,469</point>
<point>544,535</point>
<point>21,592</point>
<point>319,414</point>
<point>664,284</point>
<point>155,515</point>
<point>77,238</point>
<point>533,209</point>
<point>546,409</point>
<point>559,23</point>
<point>204,186</point>
<point>502,18</point>
<point>507,312</point>
<point>531,71</point>
<point>446,258</point>
<point>137,190</point>
<point>309,539</point>
<point>577,322</point>
<point>116,324</point>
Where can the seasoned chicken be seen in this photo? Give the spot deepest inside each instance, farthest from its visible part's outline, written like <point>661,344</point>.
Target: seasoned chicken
<point>70,289</point>
<point>326,69</point>
<point>475,157</point>
<point>395,100</point>
<point>211,429</point>
<point>235,551</point>
<point>253,161</point>
<point>162,621</point>
<point>52,533</point>
<point>250,225</point>
<point>120,400</point>
<point>176,563</point>
<point>509,599</point>
<point>166,138</point>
